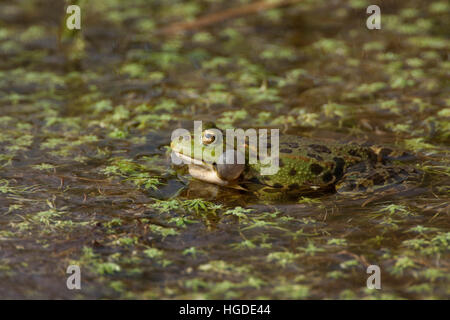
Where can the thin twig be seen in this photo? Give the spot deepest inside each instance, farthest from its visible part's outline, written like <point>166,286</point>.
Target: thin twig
<point>231,13</point>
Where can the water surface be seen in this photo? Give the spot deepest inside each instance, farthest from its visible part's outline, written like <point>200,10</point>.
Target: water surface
<point>85,177</point>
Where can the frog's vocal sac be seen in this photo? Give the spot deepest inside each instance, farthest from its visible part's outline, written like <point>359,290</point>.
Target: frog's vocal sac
<point>305,165</point>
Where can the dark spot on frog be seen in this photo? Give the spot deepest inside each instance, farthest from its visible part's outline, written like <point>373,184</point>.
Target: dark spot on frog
<point>354,153</point>
<point>319,148</point>
<point>278,186</point>
<point>378,179</point>
<point>255,180</point>
<point>270,190</point>
<point>339,167</point>
<point>315,156</point>
<point>292,172</point>
<point>384,153</point>
<point>327,177</point>
<point>286,151</point>
<point>280,163</point>
<point>316,169</point>
<point>362,188</point>
<point>294,186</point>
<point>290,144</point>
<point>359,167</point>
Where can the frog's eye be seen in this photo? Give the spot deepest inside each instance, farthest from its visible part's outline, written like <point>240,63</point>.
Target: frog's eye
<point>208,137</point>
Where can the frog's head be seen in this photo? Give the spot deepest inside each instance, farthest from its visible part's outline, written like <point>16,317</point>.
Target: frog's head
<point>207,156</point>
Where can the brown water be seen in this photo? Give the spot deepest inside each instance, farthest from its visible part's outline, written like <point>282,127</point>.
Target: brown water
<point>85,176</point>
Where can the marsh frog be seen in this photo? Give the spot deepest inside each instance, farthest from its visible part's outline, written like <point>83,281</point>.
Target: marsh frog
<point>306,166</point>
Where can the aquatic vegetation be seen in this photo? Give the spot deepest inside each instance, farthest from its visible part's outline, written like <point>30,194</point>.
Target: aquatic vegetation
<point>85,175</point>
<point>132,172</point>
<point>282,258</point>
<point>239,212</point>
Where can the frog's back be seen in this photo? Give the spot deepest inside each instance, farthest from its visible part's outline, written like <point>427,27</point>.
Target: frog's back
<point>310,163</point>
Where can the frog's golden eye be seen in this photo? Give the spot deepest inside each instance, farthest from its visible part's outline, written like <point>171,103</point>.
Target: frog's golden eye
<point>208,137</point>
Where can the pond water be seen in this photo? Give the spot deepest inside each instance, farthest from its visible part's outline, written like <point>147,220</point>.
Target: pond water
<point>85,174</point>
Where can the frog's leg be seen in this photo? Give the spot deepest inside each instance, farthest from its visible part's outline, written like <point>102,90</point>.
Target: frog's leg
<point>273,194</point>
<point>270,194</point>
<point>367,178</point>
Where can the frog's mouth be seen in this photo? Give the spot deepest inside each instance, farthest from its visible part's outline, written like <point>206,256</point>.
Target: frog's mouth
<point>221,174</point>
<point>202,170</point>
